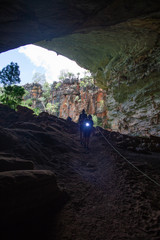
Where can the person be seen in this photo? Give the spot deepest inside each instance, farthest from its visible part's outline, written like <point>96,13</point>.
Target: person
<point>87,130</point>
<point>81,119</point>
<point>69,119</point>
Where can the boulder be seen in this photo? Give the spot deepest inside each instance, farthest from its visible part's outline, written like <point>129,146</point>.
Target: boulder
<point>29,199</point>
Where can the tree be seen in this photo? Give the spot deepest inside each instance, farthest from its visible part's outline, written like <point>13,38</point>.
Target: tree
<point>78,74</point>
<point>11,95</point>
<point>39,78</point>
<point>64,73</point>
<point>46,95</point>
<point>52,108</point>
<point>10,74</point>
<point>70,75</point>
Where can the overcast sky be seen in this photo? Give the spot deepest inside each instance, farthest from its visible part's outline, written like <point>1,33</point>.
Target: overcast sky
<point>31,59</point>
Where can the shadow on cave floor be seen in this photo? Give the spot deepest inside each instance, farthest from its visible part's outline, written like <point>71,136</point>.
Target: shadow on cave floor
<point>108,198</point>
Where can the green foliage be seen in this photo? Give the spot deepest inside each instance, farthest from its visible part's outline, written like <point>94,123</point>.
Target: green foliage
<point>87,80</point>
<point>1,91</point>
<point>46,91</point>
<point>37,111</point>
<point>56,107</point>
<point>78,74</point>
<point>52,108</point>
<point>76,98</point>
<point>10,74</point>
<point>10,94</point>
<point>46,95</point>
<point>64,73</point>
<point>58,85</point>
<point>107,126</point>
<point>26,93</point>
<point>95,120</point>
<point>101,105</point>
<point>70,75</point>
<point>44,101</point>
<point>99,122</point>
<point>27,103</point>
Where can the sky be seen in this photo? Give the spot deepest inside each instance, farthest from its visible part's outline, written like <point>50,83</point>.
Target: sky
<point>31,59</point>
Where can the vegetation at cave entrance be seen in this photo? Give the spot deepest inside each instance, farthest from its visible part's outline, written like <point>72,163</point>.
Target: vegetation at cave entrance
<point>64,73</point>
<point>11,94</point>
<point>42,102</point>
<point>87,80</point>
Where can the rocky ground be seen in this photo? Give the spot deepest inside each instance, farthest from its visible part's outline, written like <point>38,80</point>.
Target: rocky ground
<point>52,188</point>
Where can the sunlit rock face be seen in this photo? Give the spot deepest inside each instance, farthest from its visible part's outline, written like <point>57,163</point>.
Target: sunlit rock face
<point>73,98</point>
<point>70,98</point>
<point>117,40</point>
<point>34,91</point>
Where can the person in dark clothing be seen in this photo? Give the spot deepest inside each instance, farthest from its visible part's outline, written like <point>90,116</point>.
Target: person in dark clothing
<point>69,119</point>
<point>81,119</point>
<point>87,130</point>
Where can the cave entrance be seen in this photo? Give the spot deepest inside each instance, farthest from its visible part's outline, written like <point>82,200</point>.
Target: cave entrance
<point>34,59</point>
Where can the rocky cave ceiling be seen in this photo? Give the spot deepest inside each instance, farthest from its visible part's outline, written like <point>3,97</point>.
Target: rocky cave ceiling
<point>93,33</point>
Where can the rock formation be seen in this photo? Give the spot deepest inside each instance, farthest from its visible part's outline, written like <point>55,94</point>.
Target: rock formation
<point>116,40</point>
<point>128,117</point>
<point>71,97</point>
<point>29,193</point>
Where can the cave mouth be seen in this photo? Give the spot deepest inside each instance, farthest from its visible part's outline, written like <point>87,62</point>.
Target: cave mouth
<point>33,59</point>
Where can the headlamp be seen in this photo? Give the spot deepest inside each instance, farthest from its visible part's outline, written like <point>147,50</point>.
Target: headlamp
<point>87,124</point>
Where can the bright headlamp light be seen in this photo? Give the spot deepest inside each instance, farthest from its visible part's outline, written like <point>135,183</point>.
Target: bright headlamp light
<point>87,124</point>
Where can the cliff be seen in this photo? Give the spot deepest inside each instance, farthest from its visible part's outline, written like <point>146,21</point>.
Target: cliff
<point>73,98</point>
<point>70,97</point>
<point>135,114</point>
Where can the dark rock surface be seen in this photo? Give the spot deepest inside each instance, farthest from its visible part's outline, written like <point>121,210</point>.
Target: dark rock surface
<point>10,163</point>
<point>28,198</point>
<point>24,22</point>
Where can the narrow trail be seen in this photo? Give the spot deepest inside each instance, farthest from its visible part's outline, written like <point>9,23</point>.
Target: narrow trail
<point>107,199</point>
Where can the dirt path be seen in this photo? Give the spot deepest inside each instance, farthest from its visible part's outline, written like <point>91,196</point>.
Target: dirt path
<point>108,200</point>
